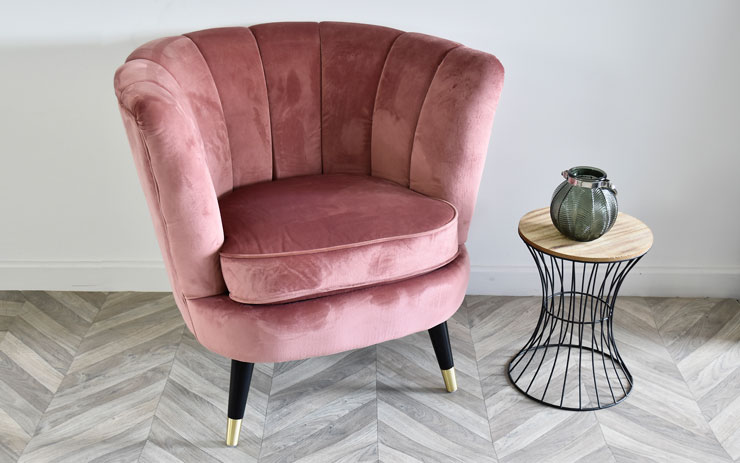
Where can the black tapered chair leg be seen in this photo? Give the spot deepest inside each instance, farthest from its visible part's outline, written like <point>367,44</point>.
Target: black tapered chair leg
<point>441,343</point>
<point>241,377</point>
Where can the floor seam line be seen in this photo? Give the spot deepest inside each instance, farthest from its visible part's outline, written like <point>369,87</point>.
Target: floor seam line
<point>377,404</point>
<point>267,409</point>
<point>601,431</point>
<point>480,378</point>
<point>167,380</point>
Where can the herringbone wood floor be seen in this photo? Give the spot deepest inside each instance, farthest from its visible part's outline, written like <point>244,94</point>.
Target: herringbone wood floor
<point>117,377</point>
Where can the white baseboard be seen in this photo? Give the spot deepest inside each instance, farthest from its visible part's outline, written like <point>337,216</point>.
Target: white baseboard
<point>133,275</point>
<point>486,280</point>
<point>642,281</point>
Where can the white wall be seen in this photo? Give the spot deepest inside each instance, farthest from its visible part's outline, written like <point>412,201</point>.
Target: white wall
<point>649,91</point>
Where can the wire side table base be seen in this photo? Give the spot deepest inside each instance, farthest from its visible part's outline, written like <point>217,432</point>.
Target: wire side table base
<point>571,361</point>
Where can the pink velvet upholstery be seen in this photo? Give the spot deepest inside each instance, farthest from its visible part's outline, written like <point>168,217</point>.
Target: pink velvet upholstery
<point>411,65</point>
<point>352,59</point>
<point>331,324</point>
<point>233,59</point>
<point>215,114</point>
<point>309,236</point>
<point>457,117</point>
<point>291,56</point>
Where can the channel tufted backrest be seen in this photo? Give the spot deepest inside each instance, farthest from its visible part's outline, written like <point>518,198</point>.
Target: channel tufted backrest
<point>279,100</point>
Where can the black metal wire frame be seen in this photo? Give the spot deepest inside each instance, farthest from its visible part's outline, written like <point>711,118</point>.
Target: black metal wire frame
<point>576,299</point>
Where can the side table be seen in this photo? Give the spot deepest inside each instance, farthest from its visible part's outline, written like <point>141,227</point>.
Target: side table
<point>571,361</point>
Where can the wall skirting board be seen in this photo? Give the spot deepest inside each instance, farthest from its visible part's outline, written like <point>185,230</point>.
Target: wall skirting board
<point>109,275</point>
<point>488,280</point>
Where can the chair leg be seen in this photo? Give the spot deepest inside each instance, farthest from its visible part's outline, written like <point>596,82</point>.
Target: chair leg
<point>441,343</point>
<point>241,377</point>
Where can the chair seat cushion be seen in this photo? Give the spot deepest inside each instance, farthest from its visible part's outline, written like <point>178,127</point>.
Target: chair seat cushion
<point>305,237</point>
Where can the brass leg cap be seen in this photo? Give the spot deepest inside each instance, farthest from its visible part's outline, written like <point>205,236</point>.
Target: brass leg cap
<point>232,432</point>
<point>450,379</point>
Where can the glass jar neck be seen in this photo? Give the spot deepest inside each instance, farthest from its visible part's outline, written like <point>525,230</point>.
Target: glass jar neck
<point>588,177</point>
<point>587,173</point>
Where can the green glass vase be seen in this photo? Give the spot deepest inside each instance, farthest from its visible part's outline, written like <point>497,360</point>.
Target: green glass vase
<point>584,206</point>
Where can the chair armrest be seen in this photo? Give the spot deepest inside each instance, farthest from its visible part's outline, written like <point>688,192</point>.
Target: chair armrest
<point>169,154</point>
<point>454,129</point>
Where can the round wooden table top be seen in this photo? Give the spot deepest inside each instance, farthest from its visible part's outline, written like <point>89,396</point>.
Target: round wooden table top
<point>628,238</point>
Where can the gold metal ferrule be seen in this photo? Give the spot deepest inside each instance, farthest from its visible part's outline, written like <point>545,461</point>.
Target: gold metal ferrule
<point>450,379</point>
<point>232,432</point>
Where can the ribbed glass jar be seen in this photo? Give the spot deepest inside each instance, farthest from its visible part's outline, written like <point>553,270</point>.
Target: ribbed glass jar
<point>584,206</point>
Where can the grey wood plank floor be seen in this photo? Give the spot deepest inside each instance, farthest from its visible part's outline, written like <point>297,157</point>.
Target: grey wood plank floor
<point>117,377</point>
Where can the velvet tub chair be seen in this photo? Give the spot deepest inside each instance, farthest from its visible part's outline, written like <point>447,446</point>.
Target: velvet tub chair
<point>311,184</point>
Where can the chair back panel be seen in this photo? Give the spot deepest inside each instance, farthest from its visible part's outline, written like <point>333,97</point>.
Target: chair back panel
<point>291,57</point>
<point>408,72</point>
<point>352,60</point>
<point>233,59</point>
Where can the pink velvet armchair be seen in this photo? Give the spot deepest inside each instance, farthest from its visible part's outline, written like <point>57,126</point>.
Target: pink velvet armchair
<point>311,184</point>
